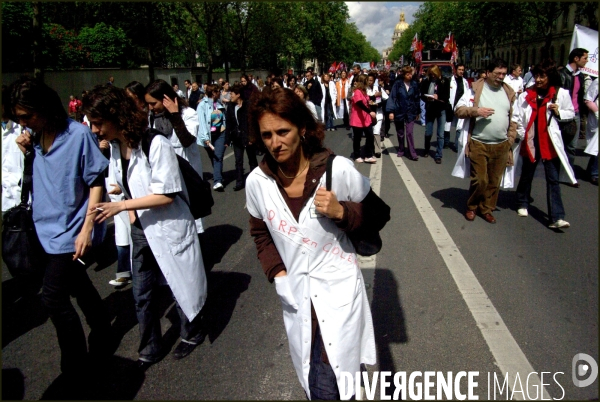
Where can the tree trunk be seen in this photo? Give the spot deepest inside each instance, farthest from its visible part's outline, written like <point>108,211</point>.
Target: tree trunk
<point>38,70</point>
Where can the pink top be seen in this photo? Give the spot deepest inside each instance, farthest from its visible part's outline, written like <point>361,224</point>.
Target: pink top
<point>576,87</point>
<point>359,117</point>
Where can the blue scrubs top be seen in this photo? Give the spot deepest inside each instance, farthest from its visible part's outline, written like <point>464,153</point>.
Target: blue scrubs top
<point>61,187</point>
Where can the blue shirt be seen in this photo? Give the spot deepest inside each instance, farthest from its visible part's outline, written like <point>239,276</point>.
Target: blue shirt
<point>61,187</point>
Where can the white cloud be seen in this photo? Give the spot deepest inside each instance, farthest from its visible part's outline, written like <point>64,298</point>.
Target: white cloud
<point>377,20</point>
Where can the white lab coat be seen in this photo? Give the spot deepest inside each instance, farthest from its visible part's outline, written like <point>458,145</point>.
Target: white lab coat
<point>191,153</point>
<point>170,229</point>
<point>12,166</point>
<point>591,131</point>
<point>379,111</point>
<point>333,94</point>
<point>453,89</point>
<point>321,266</point>
<point>122,225</point>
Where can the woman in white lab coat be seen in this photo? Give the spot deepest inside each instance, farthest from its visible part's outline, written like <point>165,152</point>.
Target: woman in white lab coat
<point>536,113</point>
<point>170,114</point>
<point>165,244</point>
<point>301,233</point>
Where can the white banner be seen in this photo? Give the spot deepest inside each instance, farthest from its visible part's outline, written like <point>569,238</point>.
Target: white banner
<point>587,38</point>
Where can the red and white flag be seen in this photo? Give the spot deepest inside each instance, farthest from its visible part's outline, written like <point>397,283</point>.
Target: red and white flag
<point>413,44</point>
<point>418,52</point>
<point>448,43</point>
<point>454,57</point>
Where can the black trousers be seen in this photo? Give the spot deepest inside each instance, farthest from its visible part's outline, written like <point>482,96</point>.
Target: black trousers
<point>64,278</point>
<point>238,153</point>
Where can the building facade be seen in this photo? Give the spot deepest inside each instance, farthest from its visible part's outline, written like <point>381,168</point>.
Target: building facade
<point>531,50</point>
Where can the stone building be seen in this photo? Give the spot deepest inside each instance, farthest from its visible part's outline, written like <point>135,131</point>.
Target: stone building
<point>401,26</point>
<point>531,50</point>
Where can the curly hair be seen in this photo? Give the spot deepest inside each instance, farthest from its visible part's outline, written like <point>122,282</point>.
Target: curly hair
<point>286,104</point>
<point>32,94</point>
<point>107,102</point>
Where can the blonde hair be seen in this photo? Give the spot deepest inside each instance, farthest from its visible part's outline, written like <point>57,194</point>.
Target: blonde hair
<point>435,70</point>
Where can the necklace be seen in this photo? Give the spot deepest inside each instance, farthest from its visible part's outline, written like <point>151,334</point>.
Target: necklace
<point>299,173</point>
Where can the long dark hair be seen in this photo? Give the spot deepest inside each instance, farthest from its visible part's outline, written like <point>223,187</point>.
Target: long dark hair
<point>107,102</point>
<point>32,94</point>
<point>159,88</point>
<point>286,104</point>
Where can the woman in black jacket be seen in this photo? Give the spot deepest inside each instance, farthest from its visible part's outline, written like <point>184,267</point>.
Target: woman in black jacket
<point>403,107</point>
<point>435,92</point>
<point>236,133</point>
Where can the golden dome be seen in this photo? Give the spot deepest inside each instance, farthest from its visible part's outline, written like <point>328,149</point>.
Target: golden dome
<point>402,25</point>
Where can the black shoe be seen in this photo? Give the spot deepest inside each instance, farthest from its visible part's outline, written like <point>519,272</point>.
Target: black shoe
<point>446,146</point>
<point>183,349</point>
<point>594,181</point>
<point>378,154</point>
<point>438,161</point>
<point>238,187</point>
<point>426,154</point>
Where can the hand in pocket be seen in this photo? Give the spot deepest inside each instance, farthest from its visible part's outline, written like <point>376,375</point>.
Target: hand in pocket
<point>284,290</point>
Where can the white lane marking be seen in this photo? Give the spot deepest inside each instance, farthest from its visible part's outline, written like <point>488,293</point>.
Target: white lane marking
<point>368,264</point>
<point>509,356</point>
<point>228,155</point>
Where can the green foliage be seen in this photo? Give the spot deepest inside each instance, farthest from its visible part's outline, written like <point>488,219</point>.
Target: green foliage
<point>105,46</point>
<point>269,35</point>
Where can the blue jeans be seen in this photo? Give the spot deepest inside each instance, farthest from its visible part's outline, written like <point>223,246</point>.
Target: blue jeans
<point>592,167</point>
<point>217,156</point>
<point>322,382</point>
<point>556,209</point>
<point>318,108</point>
<point>123,262</point>
<point>441,122</point>
<point>146,278</point>
<point>329,116</point>
<point>422,103</point>
<point>570,143</point>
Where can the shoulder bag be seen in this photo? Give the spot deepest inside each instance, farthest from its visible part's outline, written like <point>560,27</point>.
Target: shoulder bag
<point>21,249</point>
<point>367,242</point>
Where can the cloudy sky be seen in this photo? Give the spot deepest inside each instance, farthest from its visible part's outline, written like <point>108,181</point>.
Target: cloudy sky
<point>377,20</point>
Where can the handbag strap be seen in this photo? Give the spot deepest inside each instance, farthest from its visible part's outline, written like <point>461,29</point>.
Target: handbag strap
<point>27,181</point>
<point>328,172</point>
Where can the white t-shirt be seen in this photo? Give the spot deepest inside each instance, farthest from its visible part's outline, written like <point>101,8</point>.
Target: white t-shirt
<point>515,83</point>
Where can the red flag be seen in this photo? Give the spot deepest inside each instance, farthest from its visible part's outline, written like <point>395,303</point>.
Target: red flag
<point>418,50</point>
<point>454,51</point>
<point>413,44</point>
<point>333,67</point>
<point>372,64</point>
<point>448,43</point>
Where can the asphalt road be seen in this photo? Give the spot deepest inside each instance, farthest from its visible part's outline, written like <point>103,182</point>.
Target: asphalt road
<point>539,285</point>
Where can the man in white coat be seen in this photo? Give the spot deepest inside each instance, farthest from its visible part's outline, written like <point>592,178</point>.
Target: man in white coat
<point>328,108</point>
<point>458,86</point>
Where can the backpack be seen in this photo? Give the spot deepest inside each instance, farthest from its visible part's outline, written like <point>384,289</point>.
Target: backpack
<point>199,192</point>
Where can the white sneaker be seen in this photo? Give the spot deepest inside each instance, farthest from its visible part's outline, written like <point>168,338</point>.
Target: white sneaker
<point>122,281</point>
<point>218,187</point>
<point>372,159</point>
<point>359,160</point>
<point>522,212</point>
<point>559,224</point>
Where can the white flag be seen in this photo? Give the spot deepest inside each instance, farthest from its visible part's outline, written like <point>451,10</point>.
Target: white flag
<point>587,38</point>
